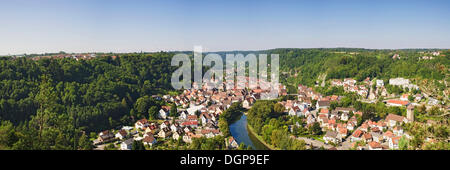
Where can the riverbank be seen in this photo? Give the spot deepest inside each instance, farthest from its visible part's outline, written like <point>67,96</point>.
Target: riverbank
<point>259,138</point>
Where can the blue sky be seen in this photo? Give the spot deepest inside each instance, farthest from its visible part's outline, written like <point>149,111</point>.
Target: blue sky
<point>32,26</point>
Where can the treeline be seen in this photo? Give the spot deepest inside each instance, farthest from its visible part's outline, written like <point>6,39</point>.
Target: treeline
<point>267,120</point>
<point>308,64</point>
<point>56,103</point>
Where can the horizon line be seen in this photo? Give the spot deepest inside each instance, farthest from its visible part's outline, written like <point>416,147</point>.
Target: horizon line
<point>221,51</point>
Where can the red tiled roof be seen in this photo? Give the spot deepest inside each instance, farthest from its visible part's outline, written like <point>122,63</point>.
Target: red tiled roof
<point>357,133</point>
<point>374,145</point>
<point>189,123</point>
<point>404,103</point>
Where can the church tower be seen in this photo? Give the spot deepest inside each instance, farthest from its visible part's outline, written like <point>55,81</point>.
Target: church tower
<point>410,113</point>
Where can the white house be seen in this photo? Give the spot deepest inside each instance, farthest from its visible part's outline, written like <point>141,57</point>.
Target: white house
<point>322,104</point>
<point>175,135</point>
<point>174,127</point>
<point>193,109</point>
<point>164,133</point>
<point>294,111</point>
<point>344,117</point>
<point>140,124</point>
<point>393,142</point>
<point>232,144</point>
<point>331,136</point>
<point>126,145</point>
<point>183,115</point>
<point>393,120</point>
<point>121,134</point>
<point>380,83</point>
<point>163,113</point>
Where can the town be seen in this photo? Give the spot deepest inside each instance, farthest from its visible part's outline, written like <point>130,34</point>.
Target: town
<point>341,128</point>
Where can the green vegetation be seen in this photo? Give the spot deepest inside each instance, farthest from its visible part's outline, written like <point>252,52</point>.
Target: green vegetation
<point>268,123</point>
<point>52,103</point>
<point>229,116</point>
<point>58,103</point>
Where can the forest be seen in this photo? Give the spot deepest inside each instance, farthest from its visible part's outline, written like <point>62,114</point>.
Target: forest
<point>57,103</point>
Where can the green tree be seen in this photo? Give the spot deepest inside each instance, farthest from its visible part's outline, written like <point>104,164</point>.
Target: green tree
<point>137,145</point>
<point>173,110</point>
<point>316,129</point>
<point>84,143</point>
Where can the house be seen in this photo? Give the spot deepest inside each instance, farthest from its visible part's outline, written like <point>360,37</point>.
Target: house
<point>205,118</point>
<point>356,136</point>
<point>377,137</point>
<point>351,126</point>
<point>174,127</point>
<point>380,83</point>
<point>247,103</point>
<point>388,135</point>
<point>164,112</point>
<point>192,118</point>
<point>331,137</point>
<point>121,134</point>
<point>344,117</point>
<point>381,125</point>
<point>177,134</point>
<point>193,109</point>
<point>105,136</point>
<point>149,140</point>
<point>323,120</point>
<point>343,132</point>
<point>404,97</point>
<point>322,104</point>
<point>305,112</point>
<point>375,129</point>
<point>148,134</point>
<point>141,124</point>
<point>165,124</point>
<point>364,127</point>
<point>183,115</point>
<point>187,129</point>
<point>127,144</point>
<point>295,111</point>
<point>310,119</point>
<point>232,144</point>
<point>324,111</point>
<point>393,142</point>
<point>393,120</point>
<point>210,133</point>
<point>187,138</point>
<point>375,146</point>
<point>151,128</point>
<point>367,137</point>
<point>164,133</point>
<point>398,131</point>
<point>397,103</point>
<point>192,124</point>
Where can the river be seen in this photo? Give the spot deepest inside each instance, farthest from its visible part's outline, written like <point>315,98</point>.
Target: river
<point>241,134</point>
